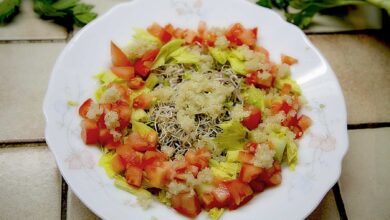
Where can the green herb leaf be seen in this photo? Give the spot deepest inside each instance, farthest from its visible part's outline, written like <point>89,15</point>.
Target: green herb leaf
<point>8,10</point>
<point>264,3</point>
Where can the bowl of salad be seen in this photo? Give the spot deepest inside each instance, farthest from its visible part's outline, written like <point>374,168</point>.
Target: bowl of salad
<point>195,109</point>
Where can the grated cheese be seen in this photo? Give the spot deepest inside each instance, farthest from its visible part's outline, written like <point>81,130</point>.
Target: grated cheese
<point>264,156</point>
<point>111,95</point>
<point>111,120</point>
<point>94,111</point>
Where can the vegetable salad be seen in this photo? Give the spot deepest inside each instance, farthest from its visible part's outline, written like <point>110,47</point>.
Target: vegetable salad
<point>197,119</point>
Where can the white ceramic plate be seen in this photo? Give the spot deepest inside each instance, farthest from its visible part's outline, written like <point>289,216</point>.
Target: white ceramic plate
<point>321,149</point>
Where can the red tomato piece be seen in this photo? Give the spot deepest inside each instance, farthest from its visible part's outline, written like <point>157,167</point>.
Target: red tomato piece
<point>157,176</point>
<point>240,193</point>
<point>118,58</point>
<point>189,36</point>
<point>199,158</point>
<point>152,157</point>
<point>89,131</point>
<point>304,122</point>
<point>253,120</point>
<point>136,83</point>
<point>247,37</point>
<point>84,108</point>
<point>143,101</point>
<point>233,32</point>
<point>118,164</point>
<point>165,36</point>
<point>123,72</point>
<point>133,176</point>
<point>130,156</point>
<point>221,195</point>
<point>249,172</point>
<point>207,201</point>
<point>136,142</point>
<point>186,204</point>
<point>246,157</point>
<point>257,186</point>
<point>288,59</point>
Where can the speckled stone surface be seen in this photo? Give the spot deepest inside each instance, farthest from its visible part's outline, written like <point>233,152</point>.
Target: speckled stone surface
<point>365,179</point>
<point>361,65</point>
<point>30,184</point>
<point>77,210</point>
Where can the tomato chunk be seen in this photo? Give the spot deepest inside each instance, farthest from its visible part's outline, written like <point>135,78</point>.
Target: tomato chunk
<point>134,176</point>
<point>84,108</point>
<point>304,122</point>
<point>253,120</point>
<point>288,59</point>
<point>89,131</point>
<point>143,101</point>
<point>240,193</point>
<point>199,158</point>
<point>249,172</point>
<point>123,72</point>
<point>157,175</point>
<point>221,195</point>
<point>136,142</point>
<point>245,157</point>
<point>150,157</point>
<point>136,83</point>
<point>118,164</point>
<point>186,204</point>
<point>118,58</point>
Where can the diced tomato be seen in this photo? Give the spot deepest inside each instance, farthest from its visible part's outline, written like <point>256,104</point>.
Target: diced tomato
<point>202,28</point>
<point>142,66</point>
<point>143,101</point>
<point>253,120</point>
<point>245,157</point>
<point>207,200</point>
<point>130,156</point>
<point>221,195</point>
<point>133,176</point>
<point>123,90</point>
<point>186,204</point>
<point>257,186</point>
<point>179,166</point>
<point>118,58</point>
<point>271,176</point>
<point>198,39</point>
<point>288,59</point>
<point>277,107</point>
<point>199,158</point>
<point>101,124</point>
<point>260,79</point>
<point>189,36</point>
<point>89,131</point>
<point>251,147</point>
<point>157,176</point>
<point>136,142</point>
<point>286,89</point>
<point>155,29</point>
<point>84,108</point>
<point>304,122</point>
<point>165,36</point>
<point>178,33</point>
<point>233,32</point>
<point>107,139</point>
<point>152,139</point>
<point>265,52</point>
<point>240,193</point>
<point>152,157</point>
<point>169,28</point>
<point>247,37</point>
<point>194,170</point>
<point>118,164</point>
<point>249,172</point>
<point>210,38</point>
<point>123,72</point>
<point>136,83</point>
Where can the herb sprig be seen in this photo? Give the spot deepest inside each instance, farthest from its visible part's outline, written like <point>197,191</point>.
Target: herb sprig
<point>65,12</point>
<point>305,10</point>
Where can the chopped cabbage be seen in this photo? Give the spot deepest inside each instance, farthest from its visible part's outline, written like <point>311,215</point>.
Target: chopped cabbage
<point>279,82</point>
<point>162,197</point>
<point>165,51</point>
<point>184,56</point>
<point>232,137</point>
<point>225,170</point>
<point>151,81</point>
<point>139,115</point>
<point>121,183</point>
<point>255,97</point>
<point>144,35</point>
<point>237,65</point>
<point>279,143</point>
<point>141,128</point>
<point>219,55</point>
<point>106,162</point>
<point>292,155</point>
<point>215,213</point>
<point>232,155</point>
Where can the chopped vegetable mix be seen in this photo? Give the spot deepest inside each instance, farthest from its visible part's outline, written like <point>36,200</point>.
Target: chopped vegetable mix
<point>200,119</point>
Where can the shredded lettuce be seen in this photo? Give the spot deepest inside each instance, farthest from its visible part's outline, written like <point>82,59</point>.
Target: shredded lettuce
<point>105,78</point>
<point>187,76</point>
<point>139,115</point>
<point>162,197</point>
<point>144,35</point>
<point>165,51</point>
<point>279,143</point>
<point>237,65</point>
<point>121,183</point>
<point>72,103</point>
<point>232,137</point>
<point>141,128</point>
<point>255,97</point>
<point>225,170</point>
<point>219,55</point>
<point>215,213</point>
<point>232,155</point>
<point>152,81</point>
<point>184,56</point>
<point>106,162</point>
<point>292,155</point>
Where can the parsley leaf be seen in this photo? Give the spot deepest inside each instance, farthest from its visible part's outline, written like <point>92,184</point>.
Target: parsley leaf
<point>8,10</point>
